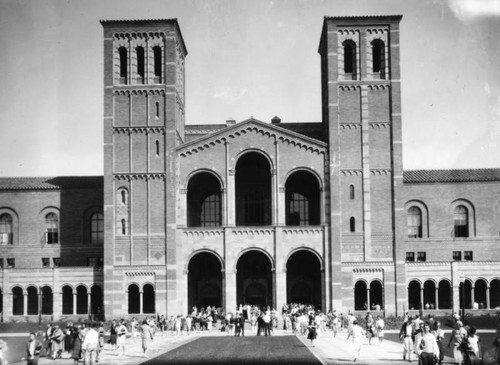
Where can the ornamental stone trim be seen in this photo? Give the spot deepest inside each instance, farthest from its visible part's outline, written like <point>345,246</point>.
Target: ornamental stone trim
<point>139,273</point>
<point>142,91</point>
<point>378,87</point>
<point>380,171</point>
<point>143,129</point>
<point>295,231</point>
<point>350,125</point>
<point>352,172</point>
<point>379,124</point>
<point>250,231</point>
<point>138,35</point>
<point>366,270</point>
<point>143,176</point>
<point>349,87</point>
<point>203,233</point>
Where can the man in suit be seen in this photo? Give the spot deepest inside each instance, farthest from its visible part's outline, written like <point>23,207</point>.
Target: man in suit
<point>33,348</point>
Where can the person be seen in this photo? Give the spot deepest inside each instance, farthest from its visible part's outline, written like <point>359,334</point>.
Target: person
<point>458,335</point>
<point>121,331</point>
<point>379,327</point>
<point>3,347</point>
<point>496,345</point>
<point>33,349</point>
<point>133,328</point>
<point>146,337</point>
<point>113,336</point>
<point>427,347</point>
<point>189,323</point>
<point>101,332</point>
<point>76,352</point>
<point>57,341</point>
<point>312,334</point>
<point>472,348</point>
<point>406,335</point>
<point>90,344</point>
<point>357,334</point>
<point>370,329</point>
<point>335,324</point>
<point>439,334</point>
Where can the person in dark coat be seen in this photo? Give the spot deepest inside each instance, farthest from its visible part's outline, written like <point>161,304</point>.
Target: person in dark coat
<point>76,354</point>
<point>33,349</point>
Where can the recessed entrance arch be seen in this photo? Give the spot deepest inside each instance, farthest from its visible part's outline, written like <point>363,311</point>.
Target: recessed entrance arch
<point>303,278</point>
<point>204,281</point>
<point>254,279</point>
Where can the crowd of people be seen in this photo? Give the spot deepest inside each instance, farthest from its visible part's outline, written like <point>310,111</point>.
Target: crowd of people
<point>422,340</point>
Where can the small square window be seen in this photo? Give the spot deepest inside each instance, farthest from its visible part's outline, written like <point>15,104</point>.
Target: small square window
<point>45,262</point>
<point>57,261</point>
<point>11,263</point>
<point>468,255</point>
<point>457,256</point>
<point>92,261</point>
<point>410,257</point>
<point>421,256</point>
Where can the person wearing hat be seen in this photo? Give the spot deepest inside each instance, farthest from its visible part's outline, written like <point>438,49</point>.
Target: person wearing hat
<point>458,335</point>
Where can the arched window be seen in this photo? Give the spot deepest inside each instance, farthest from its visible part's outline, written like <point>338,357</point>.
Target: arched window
<point>124,226</point>
<point>302,199</point>
<point>350,58</point>
<point>122,51</point>
<point>210,211</point>
<point>51,228</point>
<point>148,299</point>
<point>414,222</point>
<point>81,300</point>
<point>157,110</point>
<point>97,228</point>
<point>461,220</point>
<point>157,63</point>
<point>204,201</point>
<point>32,300</point>
<point>299,210</point>
<point>133,299</point>
<point>139,51</point>
<point>123,195</point>
<point>5,229</point>
<point>17,301</point>
<point>351,192</point>
<point>352,224</point>
<point>67,300</point>
<point>378,60</point>
<point>47,303</point>
<point>157,144</point>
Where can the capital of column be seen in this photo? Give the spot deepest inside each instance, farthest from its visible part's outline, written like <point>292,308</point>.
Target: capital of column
<point>232,172</point>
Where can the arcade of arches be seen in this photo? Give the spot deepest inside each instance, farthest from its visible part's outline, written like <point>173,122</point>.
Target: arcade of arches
<point>255,282</point>
<point>439,295</point>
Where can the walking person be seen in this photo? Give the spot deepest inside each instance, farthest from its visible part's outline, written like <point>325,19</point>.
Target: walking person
<point>439,334</point>
<point>458,335</point>
<point>370,329</point>
<point>472,349</point>
<point>357,334</point>
<point>33,349</point>
<point>3,347</point>
<point>90,344</point>
<point>113,335</point>
<point>427,347</point>
<point>379,327</point>
<point>312,334</point>
<point>146,337</point>
<point>121,331</point>
<point>101,333</point>
<point>76,352</point>
<point>406,334</point>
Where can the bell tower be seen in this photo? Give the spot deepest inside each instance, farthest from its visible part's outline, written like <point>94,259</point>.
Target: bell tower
<point>144,108</point>
<point>361,107</point>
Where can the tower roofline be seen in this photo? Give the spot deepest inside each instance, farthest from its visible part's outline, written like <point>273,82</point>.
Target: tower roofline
<point>143,22</point>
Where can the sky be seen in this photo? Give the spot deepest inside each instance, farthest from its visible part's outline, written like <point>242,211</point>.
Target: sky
<point>247,58</point>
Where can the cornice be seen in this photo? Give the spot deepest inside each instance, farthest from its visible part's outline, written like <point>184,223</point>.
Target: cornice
<point>379,124</point>
<point>140,90</point>
<point>139,176</point>
<point>142,129</point>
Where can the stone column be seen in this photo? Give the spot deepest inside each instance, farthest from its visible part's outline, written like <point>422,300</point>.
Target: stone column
<point>141,295</point>
<point>230,191</point>
<point>25,304</point>
<point>437,297</point>
<point>488,297</point>
<point>230,281</point>
<point>368,304</point>
<point>74,302</point>
<point>89,302</point>
<point>421,297</point>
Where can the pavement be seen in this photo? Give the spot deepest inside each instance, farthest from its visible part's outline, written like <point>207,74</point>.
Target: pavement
<point>328,349</point>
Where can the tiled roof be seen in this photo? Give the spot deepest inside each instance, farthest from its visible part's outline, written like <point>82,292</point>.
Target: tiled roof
<point>51,183</point>
<point>450,176</point>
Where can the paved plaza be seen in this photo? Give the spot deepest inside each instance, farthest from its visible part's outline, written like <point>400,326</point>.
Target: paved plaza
<point>328,350</point>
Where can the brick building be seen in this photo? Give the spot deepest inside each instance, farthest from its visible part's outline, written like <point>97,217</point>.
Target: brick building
<point>250,212</point>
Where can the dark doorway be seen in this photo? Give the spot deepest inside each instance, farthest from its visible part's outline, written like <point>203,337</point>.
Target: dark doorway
<point>254,280</point>
<point>303,278</point>
<point>204,281</point>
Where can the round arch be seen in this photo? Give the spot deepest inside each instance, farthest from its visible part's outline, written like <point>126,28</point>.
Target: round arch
<point>377,294</point>
<point>302,198</point>
<point>308,249</point>
<point>414,300</point>
<point>424,210</point>
<point>250,150</point>
<point>254,266</point>
<point>305,169</point>
<point>134,298</point>
<point>304,277</point>
<point>67,299</point>
<point>195,172</point>
<point>360,295</point>
<point>204,284</point>
<point>258,249</point>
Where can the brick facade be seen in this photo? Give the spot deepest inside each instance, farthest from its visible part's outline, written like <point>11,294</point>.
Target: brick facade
<point>269,212</point>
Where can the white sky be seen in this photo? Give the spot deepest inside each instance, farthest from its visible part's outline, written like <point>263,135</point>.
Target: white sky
<point>246,58</point>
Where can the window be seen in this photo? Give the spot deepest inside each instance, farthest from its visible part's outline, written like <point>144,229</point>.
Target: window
<point>157,110</point>
<point>123,196</point>
<point>410,257</point>
<point>351,192</point>
<point>468,256</point>
<point>5,229</point>
<point>414,222</point>
<point>421,256</point>
<point>51,228</point>
<point>349,57</point>
<point>461,218</point>
<point>97,228</point>
<point>45,262</point>
<point>1,263</point>
<point>122,51</point>
<point>139,51</point>
<point>457,256</point>
<point>157,63</point>
<point>352,224</point>
<point>94,261</point>
<point>11,263</point>
<point>299,210</point>
<point>378,55</point>
<point>57,261</point>
<point>157,143</point>
<point>210,211</point>
<point>124,226</point>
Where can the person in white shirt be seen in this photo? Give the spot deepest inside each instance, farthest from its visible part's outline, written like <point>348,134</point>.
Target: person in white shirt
<point>357,334</point>
<point>89,346</point>
<point>427,347</point>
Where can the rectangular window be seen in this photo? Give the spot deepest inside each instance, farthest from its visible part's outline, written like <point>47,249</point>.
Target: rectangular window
<point>457,256</point>
<point>421,256</point>
<point>11,263</point>
<point>57,261</point>
<point>45,262</point>
<point>92,261</point>
<point>410,257</point>
<point>1,263</point>
<point>5,238</point>
<point>468,256</point>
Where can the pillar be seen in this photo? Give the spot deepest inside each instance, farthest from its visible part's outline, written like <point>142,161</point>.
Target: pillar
<point>437,297</point>
<point>25,304</point>
<point>141,299</point>
<point>368,304</point>
<point>74,302</point>
<point>487,297</point>
<point>89,301</point>
<point>230,290</point>
<point>472,299</point>
<point>421,297</point>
